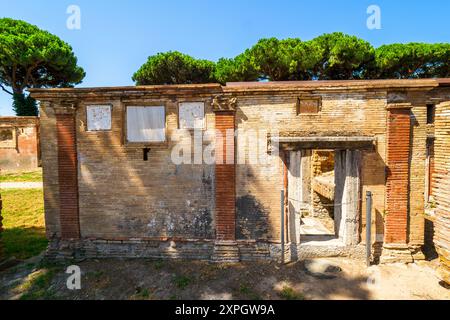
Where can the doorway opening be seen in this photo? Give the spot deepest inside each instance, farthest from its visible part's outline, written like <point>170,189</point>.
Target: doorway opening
<point>318,218</point>
<point>324,195</point>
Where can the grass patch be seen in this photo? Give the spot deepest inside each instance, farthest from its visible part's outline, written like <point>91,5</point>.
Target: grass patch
<point>182,281</point>
<point>289,293</point>
<point>33,176</point>
<point>36,286</point>
<point>158,265</point>
<point>23,223</point>
<point>142,294</point>
<point>248,292</point>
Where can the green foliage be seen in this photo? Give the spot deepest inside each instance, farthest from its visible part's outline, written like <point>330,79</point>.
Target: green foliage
<point>413,60</point>
<point>334,56</point>
<point>241,68</point>
<point>289,59</point>
<point>34,58</point>
<point>174,68</point>
<point>24,105</point>
<point>344,57</point>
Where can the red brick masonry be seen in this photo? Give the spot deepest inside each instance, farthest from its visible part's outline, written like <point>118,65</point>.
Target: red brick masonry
<point>225,180</point>
<point>398,151</point>
<point>68,180</point>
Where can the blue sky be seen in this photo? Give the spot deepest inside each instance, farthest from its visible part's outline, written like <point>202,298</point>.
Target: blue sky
<point>116,37</point>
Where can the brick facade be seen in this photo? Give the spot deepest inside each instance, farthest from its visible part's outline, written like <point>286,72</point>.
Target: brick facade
<point>128,206</point>
<point>23,153</point>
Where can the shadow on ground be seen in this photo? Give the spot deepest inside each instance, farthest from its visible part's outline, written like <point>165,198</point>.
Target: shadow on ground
<point>173,280</point>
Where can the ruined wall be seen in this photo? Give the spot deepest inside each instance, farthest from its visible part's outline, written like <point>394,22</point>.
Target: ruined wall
<point>259,185</point>
<point>19,144</point>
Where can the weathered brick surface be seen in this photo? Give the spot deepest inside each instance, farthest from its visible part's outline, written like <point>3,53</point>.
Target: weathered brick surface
<point>68,176</point>
<point>154,198</point>
<point>397,185</point>
<point>25,155</point>
<point>259,185</point>
<point>441,190</point>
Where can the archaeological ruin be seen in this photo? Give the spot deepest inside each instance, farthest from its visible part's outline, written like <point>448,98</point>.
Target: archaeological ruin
<point>248,171</point>
<point>19,143</point>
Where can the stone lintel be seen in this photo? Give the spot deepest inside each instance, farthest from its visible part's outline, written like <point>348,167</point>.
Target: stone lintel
<point>399,106</point>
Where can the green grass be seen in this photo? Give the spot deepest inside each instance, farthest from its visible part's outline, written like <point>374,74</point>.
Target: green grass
<point>248,292</point>
<point>33,176</point>
<point>36,286</point>
<point>182,281</point>
<point>23,223</point>
<point>288,293</point>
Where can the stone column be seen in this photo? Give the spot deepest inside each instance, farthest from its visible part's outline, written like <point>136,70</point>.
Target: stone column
<point>225,249</point>
<point>67,172</point>
<point>395,248</point>
<point>295,181</point>
<point>347,195</point>
<point>441,188</point>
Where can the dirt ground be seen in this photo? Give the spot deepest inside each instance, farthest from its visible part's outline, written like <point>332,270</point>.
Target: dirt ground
<point>165,280</point>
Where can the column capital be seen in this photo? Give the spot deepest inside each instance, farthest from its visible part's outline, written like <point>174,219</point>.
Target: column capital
<point>64,107</point>
<point>221,103</point>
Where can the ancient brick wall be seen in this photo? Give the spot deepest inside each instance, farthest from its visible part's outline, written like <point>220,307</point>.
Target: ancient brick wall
<point>19,143</point>
<point>153,199</point>
<point>441,186</point>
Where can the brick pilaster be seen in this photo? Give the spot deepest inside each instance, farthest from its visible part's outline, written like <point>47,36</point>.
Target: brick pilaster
<point>397,184</point>
<point>225,177</point>
<point>68,176</point>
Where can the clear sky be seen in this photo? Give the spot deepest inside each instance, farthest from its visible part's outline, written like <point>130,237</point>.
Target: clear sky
<point>116,37</point>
